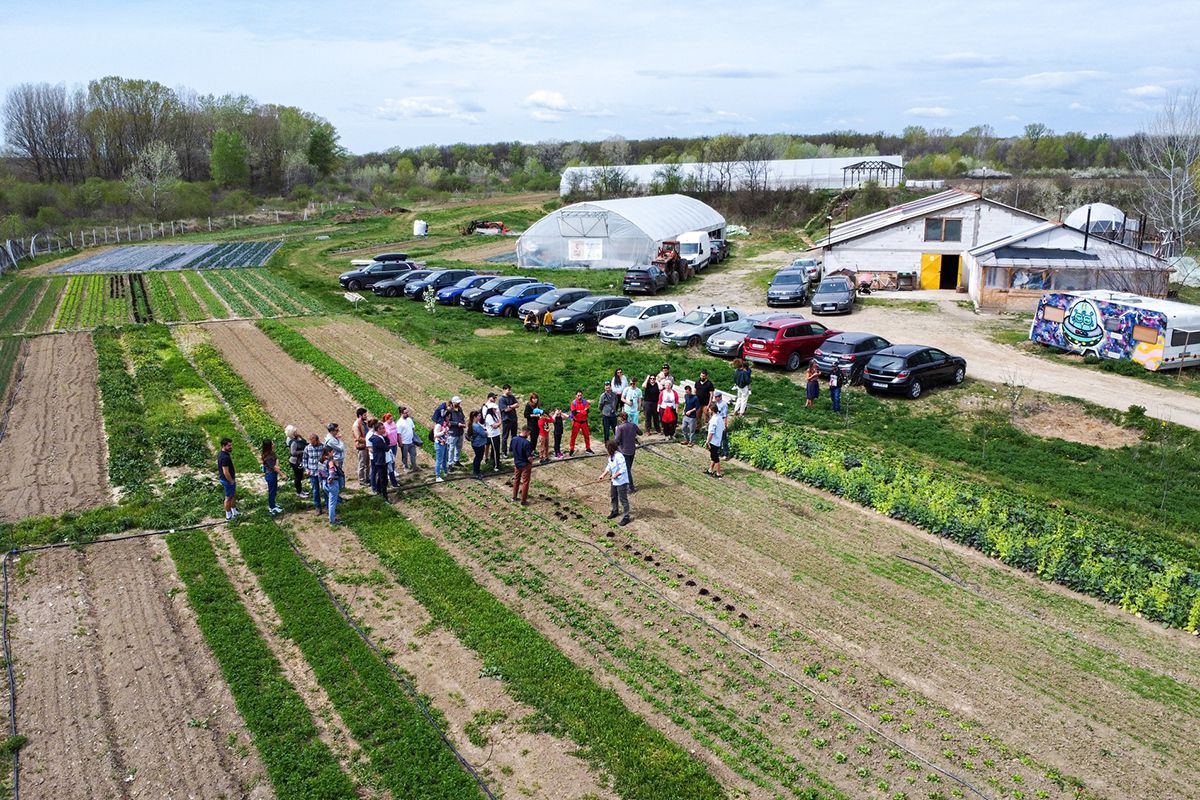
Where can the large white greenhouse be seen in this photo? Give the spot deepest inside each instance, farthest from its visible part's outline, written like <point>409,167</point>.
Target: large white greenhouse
<point>610,234</point>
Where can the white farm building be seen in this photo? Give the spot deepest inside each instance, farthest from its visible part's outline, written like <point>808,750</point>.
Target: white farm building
<point>815,173</point>
<point>613,234</point>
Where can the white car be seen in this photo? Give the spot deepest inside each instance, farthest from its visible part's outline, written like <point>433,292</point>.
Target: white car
<point>811,268</point>
<point>643,318</point>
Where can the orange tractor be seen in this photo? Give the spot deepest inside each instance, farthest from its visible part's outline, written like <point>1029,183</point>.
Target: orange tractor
<point>672,264</point>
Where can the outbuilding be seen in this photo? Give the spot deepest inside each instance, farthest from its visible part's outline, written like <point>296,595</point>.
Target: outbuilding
<point>1012,274</point>
<point>613,234</point>
<point>922,243</point>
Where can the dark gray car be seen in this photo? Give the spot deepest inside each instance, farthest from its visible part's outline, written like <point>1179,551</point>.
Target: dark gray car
<point>789,287</point>
<point>849,352</point>
<point>834,295</point>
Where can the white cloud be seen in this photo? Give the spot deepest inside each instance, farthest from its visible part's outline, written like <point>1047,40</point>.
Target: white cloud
<point>1077,106</point>
<point>1048,81</point>
<point>542,115</point>
<point>394,108</point>
<point>548,100</point>
<point>714,71</point>
<point>970,60</point>
<point>1149,90</point>
<point>550,106</point>
<point>933,112</point>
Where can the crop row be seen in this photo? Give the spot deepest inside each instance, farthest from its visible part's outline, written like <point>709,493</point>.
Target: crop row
<point>185,302</point>
<point>20,305</point>
<point>240,306</point>
<point>1077,550</point>
<point>404,748</point>
<point>643,762</point>
<point>237,395</point>
<point>178,438</point>
<point>9,349</point>
<point>213,307</point>
<point>239,282</point>
<point>284,295</point>
<point>166,309</point>
<point>130,460</point>
<point>91,309</point>
<point>305,352</point>
<point>68,311</point>
<point>298,763</point>
<point>43,316</point>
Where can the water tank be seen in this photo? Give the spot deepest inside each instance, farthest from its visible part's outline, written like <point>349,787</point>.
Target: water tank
<point>420,227</point>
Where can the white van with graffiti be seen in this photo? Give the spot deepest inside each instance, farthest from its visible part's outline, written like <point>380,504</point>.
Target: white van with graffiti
<point>1158,334</point>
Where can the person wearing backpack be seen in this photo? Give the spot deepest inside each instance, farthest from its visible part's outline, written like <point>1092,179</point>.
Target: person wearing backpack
<point>331,476</point>
<point>296,445</point>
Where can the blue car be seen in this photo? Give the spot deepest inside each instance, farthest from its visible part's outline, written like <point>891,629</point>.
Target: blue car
<point>506,303</point>
<point>449,296</point>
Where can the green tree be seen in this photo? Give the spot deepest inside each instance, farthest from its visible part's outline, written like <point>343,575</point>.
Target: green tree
<point>230,160</point>
<point>323,149</point>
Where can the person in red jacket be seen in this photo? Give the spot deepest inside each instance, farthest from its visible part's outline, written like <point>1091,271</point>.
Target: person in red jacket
<point>579,422</point>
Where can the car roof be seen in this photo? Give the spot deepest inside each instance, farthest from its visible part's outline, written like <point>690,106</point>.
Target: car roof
<point>572,289</point>
<point>781,322</point>
<point>902,349</point>
<point>854,336</point>
<point>648,303</point>
<point>712,308</point>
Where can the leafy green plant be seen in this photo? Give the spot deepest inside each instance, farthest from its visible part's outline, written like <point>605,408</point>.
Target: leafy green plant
<point>240,305</point>
<point>130,455</point>
<point>189,306</point>
<point>161,299</point>
<point>213,307</point>
<point>178,438</point>
<point>43,316</point>
<point>19,307</point>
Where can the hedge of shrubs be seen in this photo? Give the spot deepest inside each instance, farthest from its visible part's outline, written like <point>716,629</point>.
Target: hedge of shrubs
<point>1086,553</point>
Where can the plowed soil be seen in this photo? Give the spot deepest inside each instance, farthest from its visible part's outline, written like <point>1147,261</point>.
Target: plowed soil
<point>54,444</point>
<point>117,692</point>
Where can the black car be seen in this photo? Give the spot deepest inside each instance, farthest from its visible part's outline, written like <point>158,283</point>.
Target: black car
<point>788,287</point>
<point>394,287</point>
<point>644,280</point>
<point>849,352</point>
<point>438,279</point>
<point>551,301</point>
<point>583,315</point>
<point>474,298</point>
<point>910,369</point>
<point>366,277</point>
<point>720,250</point>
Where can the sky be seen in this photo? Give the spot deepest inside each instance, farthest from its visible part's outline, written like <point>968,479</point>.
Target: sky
<point>415,73</point>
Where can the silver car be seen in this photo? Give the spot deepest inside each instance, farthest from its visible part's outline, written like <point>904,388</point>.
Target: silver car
<point>728,341</point>
<point>695,327</point>
<point>835,295</point>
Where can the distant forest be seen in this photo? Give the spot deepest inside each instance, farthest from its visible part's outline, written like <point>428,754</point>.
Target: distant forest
<point>122,150</point>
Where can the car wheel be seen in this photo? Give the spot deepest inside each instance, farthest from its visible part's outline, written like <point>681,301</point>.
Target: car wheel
<point>393,291</point>
<point>354,286</point>
<point>739,352</point>
<point>793,362</point>
<point>581,327</point>
<point>914,390</point>
<point>694,341</point>
<point>632,334</point>
<point>959,374</point>
<point>510,312</point>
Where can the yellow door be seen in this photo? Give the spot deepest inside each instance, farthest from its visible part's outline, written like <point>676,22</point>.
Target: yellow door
<point>931,270</point>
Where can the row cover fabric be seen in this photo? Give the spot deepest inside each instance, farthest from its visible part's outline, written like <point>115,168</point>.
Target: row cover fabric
<point>613,234</point>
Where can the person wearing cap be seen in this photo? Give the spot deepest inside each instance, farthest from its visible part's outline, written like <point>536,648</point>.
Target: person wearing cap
<point>456,422</point>
<point>334,442</point>
<point>579,422</point>
<point>522,453</point>
<point>358,431</point>
<point>610,404</point>
<point>494,426</point>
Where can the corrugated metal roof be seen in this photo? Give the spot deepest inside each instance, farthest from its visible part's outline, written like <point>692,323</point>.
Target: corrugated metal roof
<point>1007,252</point>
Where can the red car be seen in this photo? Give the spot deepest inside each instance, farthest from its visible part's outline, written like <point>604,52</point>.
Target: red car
<point>786,342</point>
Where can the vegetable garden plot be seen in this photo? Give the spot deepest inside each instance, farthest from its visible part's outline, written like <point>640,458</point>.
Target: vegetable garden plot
<point>18,303</point>
<point>152,257</point>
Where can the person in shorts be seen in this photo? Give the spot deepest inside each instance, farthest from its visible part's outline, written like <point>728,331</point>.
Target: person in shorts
<point>716,436</point>
<point>227,475</point>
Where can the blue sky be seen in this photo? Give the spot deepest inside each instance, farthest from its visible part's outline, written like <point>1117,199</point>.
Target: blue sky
<point>416,73</point>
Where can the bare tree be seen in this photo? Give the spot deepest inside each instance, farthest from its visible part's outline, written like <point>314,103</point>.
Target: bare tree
<point>614,151</point>
<point>721,153</point>
<point>754,163</point>
<point>152,175</point>
<point>41,126</point>
<point>1167,157</point>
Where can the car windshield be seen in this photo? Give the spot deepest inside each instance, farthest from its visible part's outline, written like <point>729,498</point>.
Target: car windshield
<point>694,317</point>
<point>891,363</point>
<point>494,283</point>
<point>582,305</point>
<point>689,248</point>
<point>631,311</point>
<point>788,279</point>
<point>833,287</point>
<point>547,297</point>
<point>465,282</point>
<point>515,291</point>
<point>763,332</point>
<point>833,347</point>
<point>741,326</point>
<point>804,262</point>
<point>415,276</point>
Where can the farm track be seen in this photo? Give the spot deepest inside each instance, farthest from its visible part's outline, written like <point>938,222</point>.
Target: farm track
<point>55,436</point>
<point>102,639</point>
<point>291,393</point>
<point>519,762</point>
<point>1056,680</point>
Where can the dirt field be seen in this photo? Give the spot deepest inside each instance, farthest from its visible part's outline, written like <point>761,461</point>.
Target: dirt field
<point>117,692</point>
<point>964,333</point>
<point>54,441</point>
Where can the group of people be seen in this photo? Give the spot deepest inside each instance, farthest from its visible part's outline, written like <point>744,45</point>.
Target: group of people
<point>385,446</point>
<point>812,389</point>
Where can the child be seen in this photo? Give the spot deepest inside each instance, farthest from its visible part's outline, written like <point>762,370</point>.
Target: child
<point>543,422</point>
<point>547,321</point>
<point>559,416</point>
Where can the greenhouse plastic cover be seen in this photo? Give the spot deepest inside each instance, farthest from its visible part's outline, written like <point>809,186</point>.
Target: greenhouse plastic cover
<point>612,233</point>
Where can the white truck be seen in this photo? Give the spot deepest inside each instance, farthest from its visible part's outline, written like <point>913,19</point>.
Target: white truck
<point>696,248</point>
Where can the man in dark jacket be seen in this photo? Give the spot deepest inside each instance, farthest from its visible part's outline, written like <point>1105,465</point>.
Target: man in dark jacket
<point>626,436</point>
<point>522,453</point>
<point>704,393</point>
<point>610,404</point>
<point>507,403</point>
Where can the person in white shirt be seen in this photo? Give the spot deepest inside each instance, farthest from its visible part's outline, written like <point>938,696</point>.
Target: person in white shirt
<point>618,475</point>
<point>668,408</point>
<point>619,383</point>
<point>406,432</point>
<point>716,436</point>
<point>495,427</point>
<point>722,399</point>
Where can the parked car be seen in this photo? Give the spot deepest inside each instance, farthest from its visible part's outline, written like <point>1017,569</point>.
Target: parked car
<point>643,318</point>
<point>585,314</point>
<point>849,352</point>
<point>395,286</point>
<point>552,301</point>
<point>368,276</point>
<point>787,342</point>
<point>646,279</point>
<point>834,295</point>
<point>720,250</point>
<point>694,327</point>
<point>507,302</point>
<point>788,287</point>
<point>729,342</point>
<point>474,298</point>
<point>438,279</point>
<point>450,295</point>
<point>910,369</point>
<point>810,266</point>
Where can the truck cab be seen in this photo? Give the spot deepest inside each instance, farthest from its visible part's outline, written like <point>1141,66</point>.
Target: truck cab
<point>696,248</point>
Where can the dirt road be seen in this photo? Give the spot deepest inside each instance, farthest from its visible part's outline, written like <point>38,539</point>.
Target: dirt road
<point>964,333</point>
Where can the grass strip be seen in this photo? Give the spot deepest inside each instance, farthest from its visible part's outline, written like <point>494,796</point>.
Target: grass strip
<point>162,303</point>
<point>177,436</point>
<point>643,762</point>
<point>20,307</point>
<point>256,422</point>
<point>1086,553</point>
<point>43,315</point>
<point>299,348</point>
<point>9,348</point>
<point>230,294</point>
<point>297,761</point>
<point>131,462</point>
<point>213,306</point>
<point>403,747</point>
